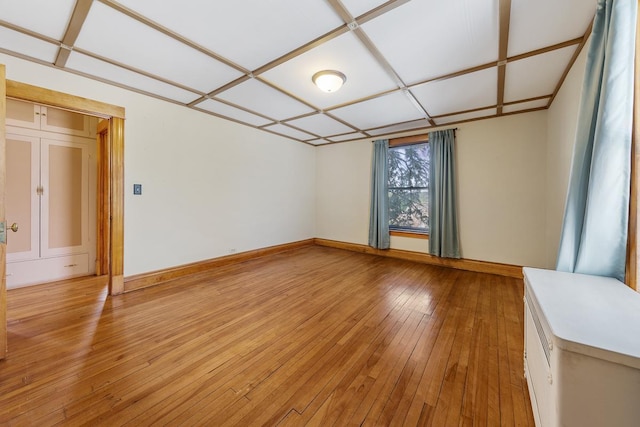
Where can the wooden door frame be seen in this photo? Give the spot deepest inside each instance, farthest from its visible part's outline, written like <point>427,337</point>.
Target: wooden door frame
<point>110,227</point>
<point>3,246</point>
<point>632,272</point>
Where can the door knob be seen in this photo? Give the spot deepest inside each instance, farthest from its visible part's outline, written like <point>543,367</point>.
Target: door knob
<point>13,227</point>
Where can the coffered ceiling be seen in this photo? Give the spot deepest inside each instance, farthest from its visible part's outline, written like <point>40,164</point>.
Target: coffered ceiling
<point>410,64</point>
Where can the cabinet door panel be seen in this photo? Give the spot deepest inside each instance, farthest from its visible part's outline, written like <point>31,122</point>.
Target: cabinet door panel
<point>22,203</point>
<point>28,115</point>
<point>539,372</point>
<point>23,114</point>
<point>43,270</point>
<point>62,121</point>
<point>65,199</point>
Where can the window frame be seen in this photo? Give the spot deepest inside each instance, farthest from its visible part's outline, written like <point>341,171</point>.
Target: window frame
<point>401,142</point>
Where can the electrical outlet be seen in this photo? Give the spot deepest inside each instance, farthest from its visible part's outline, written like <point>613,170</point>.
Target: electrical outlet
<point>137,189</point>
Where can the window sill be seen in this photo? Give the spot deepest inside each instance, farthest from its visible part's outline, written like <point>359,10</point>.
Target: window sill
<point>410,234</point>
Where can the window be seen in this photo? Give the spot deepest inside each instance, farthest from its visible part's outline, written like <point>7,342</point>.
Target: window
<point>409,188</point>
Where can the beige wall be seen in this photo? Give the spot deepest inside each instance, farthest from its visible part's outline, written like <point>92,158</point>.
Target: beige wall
<point>209,185</point>
<point>501,191</point>
<point>342,191</point>
<point>561,131</point>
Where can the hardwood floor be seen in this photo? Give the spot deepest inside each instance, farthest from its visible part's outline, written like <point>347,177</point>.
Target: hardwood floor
<point>316,336</point>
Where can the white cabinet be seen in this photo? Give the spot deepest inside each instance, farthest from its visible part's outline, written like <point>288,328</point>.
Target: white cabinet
<point>582,349</point>
<point>32,116</point>
<point>50,194</point>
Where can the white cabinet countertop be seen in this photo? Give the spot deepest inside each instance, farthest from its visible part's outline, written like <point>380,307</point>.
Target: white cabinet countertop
<point>592,315</point>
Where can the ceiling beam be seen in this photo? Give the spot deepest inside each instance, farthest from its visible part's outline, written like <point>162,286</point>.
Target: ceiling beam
<point>221,89</point>
<point>324,113</point>
<point>167,32</point>
<point>289,94</point>
<point>342,11</point>
<point>29,33</point>
<point>79,15</point>
<point>503,47</point>
<point>547,49</point>
<point>583,42</point>
<point>534,98</point>
<point>302,49</point>
<point>136,70</point>
<point>380,10</point>
<point>354,26</point>
<point>456,74</point>
<point>239,107</point>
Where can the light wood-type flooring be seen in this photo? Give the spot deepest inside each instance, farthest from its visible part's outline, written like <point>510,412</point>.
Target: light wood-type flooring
<point>315,336</point>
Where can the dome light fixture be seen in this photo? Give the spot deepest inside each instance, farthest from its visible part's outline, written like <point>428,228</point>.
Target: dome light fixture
<point>329,80</point>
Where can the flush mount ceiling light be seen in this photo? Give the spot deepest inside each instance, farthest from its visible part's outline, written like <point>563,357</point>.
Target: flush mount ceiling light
<point>329,80</point>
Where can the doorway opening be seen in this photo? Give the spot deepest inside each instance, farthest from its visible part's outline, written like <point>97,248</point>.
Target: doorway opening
<point>109,173</point>
<point>50,193</point>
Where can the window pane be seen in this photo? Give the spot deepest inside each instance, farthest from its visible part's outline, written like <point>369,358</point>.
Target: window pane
<point>409,187</point>
<point>409,166</point>
<point>409,209</point>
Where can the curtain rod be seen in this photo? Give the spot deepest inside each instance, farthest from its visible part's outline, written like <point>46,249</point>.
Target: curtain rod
<point>409,136</point>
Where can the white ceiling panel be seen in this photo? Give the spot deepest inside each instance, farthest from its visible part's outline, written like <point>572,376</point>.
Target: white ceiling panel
<point>49,18</point>
<point>320,124</point>
<point>466,92</point>
<point>359,7</point>
<point>525,105</point>
<point>113,35</point>
<point>232,112</point>
<point>449,36</point>
<point>347,136</point>
<point>288,131</point>
<point>380,111</point>
<point>27,45</point>
<point>249,33</point>
<point>263,99</point>
<point>536,75</point>
<point>95,67</point>
<point>416,124</point>
<point>466,116</point>
<point>346,54</point>
<point>551,21</point>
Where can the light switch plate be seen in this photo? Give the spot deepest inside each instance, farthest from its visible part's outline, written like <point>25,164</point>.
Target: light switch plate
<point>137,189</point>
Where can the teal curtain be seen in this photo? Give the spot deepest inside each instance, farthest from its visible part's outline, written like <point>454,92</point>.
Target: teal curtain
<point>594,231</point>
<point>379,217</point>
<point>443,212</point>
